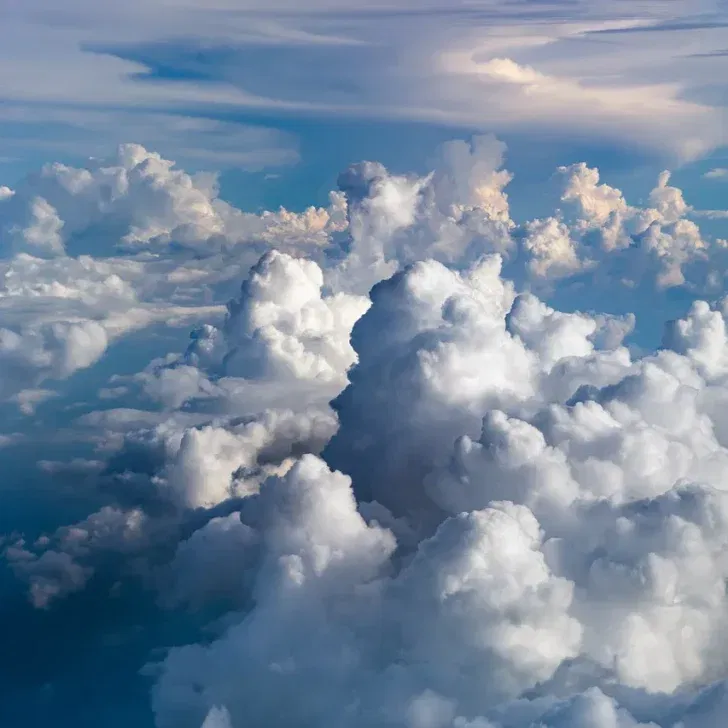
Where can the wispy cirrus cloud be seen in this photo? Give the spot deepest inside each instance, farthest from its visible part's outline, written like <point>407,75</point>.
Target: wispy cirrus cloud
<point>585,68</point>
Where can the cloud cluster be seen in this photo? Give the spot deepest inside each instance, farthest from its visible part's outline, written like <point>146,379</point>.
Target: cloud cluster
<point>454,214</point>
<point>561,564</point>
<point>394,483</point>
<point>138,199</point>
<point>92,254</point>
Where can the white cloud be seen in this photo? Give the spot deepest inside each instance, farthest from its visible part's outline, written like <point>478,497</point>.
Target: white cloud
<point>89,257</point>
<point>553,253</point>
<point>508,517</point>
<point>602,70</point>
<point>571,549</point>
<point>210,464</point>
<point>528,97</point>
<point>282,326</point>
<point>716,173</point>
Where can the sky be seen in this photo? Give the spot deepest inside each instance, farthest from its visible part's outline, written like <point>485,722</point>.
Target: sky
<point>363,364</point>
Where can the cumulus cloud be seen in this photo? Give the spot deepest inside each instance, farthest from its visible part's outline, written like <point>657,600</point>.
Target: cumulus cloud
<point>210,464</point>
<point>282,326</point>
<point>654,244</point>
<point>386,480</point>
<point>217,718</point>
<point>454,214</point>
<point>571,548</point>
<point>283,339</point>
<point>92,254</point>
<point>141,197</point>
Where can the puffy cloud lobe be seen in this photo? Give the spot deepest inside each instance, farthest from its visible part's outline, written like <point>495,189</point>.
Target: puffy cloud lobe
<point>283,331</point>
<point>469,175</point>
<point>456,213</point>
<point>199,462</point>
<point>78,198</point>
<point>427,327</point>
<point>654,244</point>
<point>510,461</point>
<point>217,718</point>
<point>60,317</point>
<point>551,250</point>
<point>597,203</point>
<point>659,567</point>
<point>141,198</point>
<point>40,232</point>
<point>208,465</point>
<point>282,325</point>
<point>56,351</point>
<point>379,206</point>
<point>480,601</point>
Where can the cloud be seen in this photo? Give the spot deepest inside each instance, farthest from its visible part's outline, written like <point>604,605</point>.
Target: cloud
<point>455,213</point>
<point>282,333</point>
<point>209,465</point>
<point>217,718</point>
<point>55,351</point>
<point>283,327</point>
<point>716,173</point>
<point>50,575</point>
<point>527,94</point>
<point>383,434</point>
<point>474,66</point>
<point>568,546</point>
<point>81,257</point>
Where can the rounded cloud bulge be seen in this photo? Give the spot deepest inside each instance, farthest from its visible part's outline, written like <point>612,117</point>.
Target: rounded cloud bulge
<point>365,467</point>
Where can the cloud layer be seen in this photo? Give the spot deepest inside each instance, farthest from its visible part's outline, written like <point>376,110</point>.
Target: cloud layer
<point>640,73</point>
<point>384,476</point>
